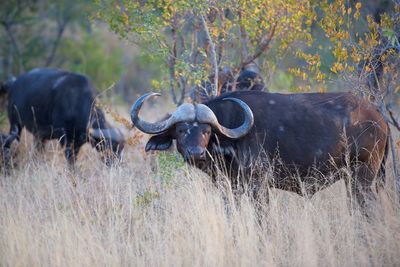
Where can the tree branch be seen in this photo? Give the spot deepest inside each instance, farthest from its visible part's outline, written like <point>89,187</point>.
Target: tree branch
<point>182,83</point>
<point>213,56</point>
<point>244,40</point>
<point>221,38</point>
<point>60,31</point>
<point>194,51</point>
<point>394,121</point>
<point>261,48</point>
<point>172,61</point>
<point>7,26</point>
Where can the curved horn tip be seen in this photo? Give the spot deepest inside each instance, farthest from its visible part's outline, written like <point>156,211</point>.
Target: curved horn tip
<point>138,104</point>
<point>247,124</point>
<point>148,95</point>
<point>151,94</point>
<point>243,105</point>
<point>233,99</point>
<point>240,102</point>
<point>146,127</point>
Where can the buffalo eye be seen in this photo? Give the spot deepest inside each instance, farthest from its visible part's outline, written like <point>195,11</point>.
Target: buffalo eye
<point>182,130</point>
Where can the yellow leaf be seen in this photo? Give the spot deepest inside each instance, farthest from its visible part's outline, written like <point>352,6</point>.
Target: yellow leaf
<point>357,15</point>
<point>343,10</point>
<point>125,18</point>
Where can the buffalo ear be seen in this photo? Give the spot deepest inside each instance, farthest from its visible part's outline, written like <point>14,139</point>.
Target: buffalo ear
<point>224,150</point>
<point>159,142</point>
<point>221,146</point>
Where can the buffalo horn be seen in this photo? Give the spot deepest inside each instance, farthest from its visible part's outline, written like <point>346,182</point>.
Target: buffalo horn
<point>184,112</point>
<point>189,113</point>
<point>206,115</point>
<point>112,134</point>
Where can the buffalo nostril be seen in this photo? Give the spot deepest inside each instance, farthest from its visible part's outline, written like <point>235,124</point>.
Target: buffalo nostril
<point>196,152</point>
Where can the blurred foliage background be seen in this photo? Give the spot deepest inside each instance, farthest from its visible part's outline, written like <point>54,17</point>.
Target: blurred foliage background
<point>130,47</point>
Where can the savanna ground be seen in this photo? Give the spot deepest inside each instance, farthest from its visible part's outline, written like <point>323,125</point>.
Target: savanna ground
<point>153,210</point>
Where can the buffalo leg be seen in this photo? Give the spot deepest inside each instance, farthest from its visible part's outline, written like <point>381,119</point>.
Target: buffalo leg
<point>15,130</point>
<point>7,151</point>
<point>71,152</point>
<point>73,146</point>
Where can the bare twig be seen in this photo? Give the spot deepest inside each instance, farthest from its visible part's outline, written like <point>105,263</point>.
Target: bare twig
<point>384,110</point>
<point>8,28</point>
<point>261,48</point>
<point>183,44</point>
<point>194,51</point>
<point>182,84</point>
<point>172,60</point>
<point>213,55</point>
<point>395,170</point>
<point>244,40</point>
<point>394,157</point>
<point>395,123</point>
<point>60,31</point>
<point>221,38</point>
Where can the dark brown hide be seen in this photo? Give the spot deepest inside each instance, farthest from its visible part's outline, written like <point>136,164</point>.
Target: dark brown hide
<point>309,131</point>
<point>309,135</point>
<point>57,104</point>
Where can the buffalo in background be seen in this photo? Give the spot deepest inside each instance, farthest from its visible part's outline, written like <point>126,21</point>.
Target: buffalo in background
<point>57,104</point>
<point>248,79</point>
<point>304,138</point>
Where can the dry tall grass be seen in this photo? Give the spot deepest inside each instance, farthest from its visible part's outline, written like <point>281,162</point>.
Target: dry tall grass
<point>133,216</point>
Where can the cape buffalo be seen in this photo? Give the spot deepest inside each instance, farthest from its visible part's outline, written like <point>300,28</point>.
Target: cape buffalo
<point>57,104</point>
<point>248,79</point>
<point>310,134</point>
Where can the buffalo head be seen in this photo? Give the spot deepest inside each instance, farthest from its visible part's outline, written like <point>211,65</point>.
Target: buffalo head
<point>109,142</point>
<point>191,125</point>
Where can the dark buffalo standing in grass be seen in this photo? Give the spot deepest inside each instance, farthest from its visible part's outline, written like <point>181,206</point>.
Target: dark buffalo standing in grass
<point>57,104</point>
<point>303,137</point>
